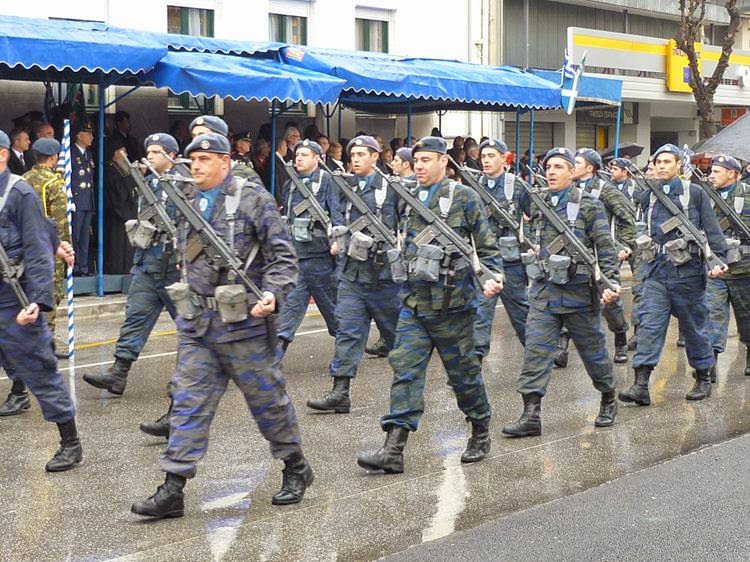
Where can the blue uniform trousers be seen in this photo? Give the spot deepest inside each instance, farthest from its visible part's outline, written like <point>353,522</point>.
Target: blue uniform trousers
<point>719,294</point>
<point>26,351</point>
<point>316,279</point>
<point>685,299</point>
<point>543,329</point>
<point>81,230</point>
<point>453,337</point>
<point>357,305</point>
<point>204,367</point>
<point>516,301</point>
<point>147,298</point>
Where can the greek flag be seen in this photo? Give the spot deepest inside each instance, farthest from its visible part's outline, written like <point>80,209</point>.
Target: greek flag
<point>568,70</point>
<point>571,77</point>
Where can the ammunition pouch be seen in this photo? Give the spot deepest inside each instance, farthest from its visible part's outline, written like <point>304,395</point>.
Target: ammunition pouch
<point>677,251</point>
<point>140,233</point>
<point>302,229</point>
<point>533,265</point>
<point>340,236</point>
<point>428,262</point>
<point>185,301</point>
<point>398,267</point>
<point>646,248</point>
<point>734,252</point>
<point>510,249</point>
<point>359,246</point>
<point>640,228</point>
<point>559,268</point>
<point>231,303</point>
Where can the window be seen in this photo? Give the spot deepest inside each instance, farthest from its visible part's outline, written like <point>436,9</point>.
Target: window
<point>371,35</point>
<point>190,21</point>
<point>287,29</point>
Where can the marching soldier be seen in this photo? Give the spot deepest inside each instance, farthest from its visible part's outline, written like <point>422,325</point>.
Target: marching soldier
<point>215,343</point>
<point>212,124</point>
<point>508,191</point>
<point>562,295</point>
<point>25,339</point>
<point>82,186</point>
<point>440,314</point>
<point>733,287</point>
<point>316,264</point>
<point>674,279</point>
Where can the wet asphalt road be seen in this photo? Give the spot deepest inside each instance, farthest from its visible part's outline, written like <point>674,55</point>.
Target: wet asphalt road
<point>347,514</point>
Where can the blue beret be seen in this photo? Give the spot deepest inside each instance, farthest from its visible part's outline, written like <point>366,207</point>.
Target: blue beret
<point>405,154</point>
<point>216,124</point>
<point>727,162</point>
<point>209,142</point>
<point>668,149</point>
<point>46,147</point>
<point>497,144</point>
<point>167,142</point>
<point>4,140</point>
<point>430,144</point>
<point>560,152</point>
<point>312,145</point>
<point>623,163</point>
<point>591,156</point>
<point>364,141</point>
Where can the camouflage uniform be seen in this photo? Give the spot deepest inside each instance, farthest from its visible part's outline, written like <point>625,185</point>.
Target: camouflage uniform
<point>732,287</point>
<point>574,305</point>
<point>422,326</point>
<point>515,294</point>
<point>210,352</point>
<point>51,189</point>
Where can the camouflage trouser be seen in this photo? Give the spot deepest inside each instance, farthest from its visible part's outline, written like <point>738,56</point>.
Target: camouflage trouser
<point>416,337</point>
<point>203,371</point>
<point>685,299</point>
<point>636,286</point>
<point>719,294</point>
<point>26,352</point>
<point>60,270</point>
<point>543,329</point>
<point>516,301</point>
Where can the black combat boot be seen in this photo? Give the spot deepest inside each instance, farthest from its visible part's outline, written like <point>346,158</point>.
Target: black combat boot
<point>633,341</point>
<point>747,362</point>
<point>17,401</point>
<point>479,443</point>
<point>297,476</point>
<point>283,346</point>
<point>680,339</point>
<point>638,393</point>
<point>337,400</point>
<point>607,410</point>
<point>114,379</point>
<point>529,424</point>
<point>712,372</point>
<point>168,501</point>
<point>561,355</point>
<point>621,347</point>
<point>380,348</point>
<point>390,457</point>
<point>160,427</point>
<point>70,452</point>
<point>702,387</point>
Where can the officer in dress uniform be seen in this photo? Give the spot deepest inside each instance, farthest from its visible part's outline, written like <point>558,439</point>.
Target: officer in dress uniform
<point>82,186</point>
<point>440,315</point>
<point>507,190</point>
<point>733,287</point>
<point>316,264</point>
<point>25,339</point>
<point>219,341</point>
<point>674,280</point>
<point>565,297</point>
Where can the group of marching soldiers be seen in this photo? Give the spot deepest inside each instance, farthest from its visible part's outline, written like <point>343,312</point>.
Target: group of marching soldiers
<point>423,256</point>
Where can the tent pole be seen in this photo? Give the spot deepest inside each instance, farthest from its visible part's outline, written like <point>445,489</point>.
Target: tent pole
<point>408,124</point>
<point>340,111</point>
<point>518,142</point>
<point>273,148</point>
<point>617,131</point>
<point>327,112</point>
<point>531,145</point>
<point>100,197</point>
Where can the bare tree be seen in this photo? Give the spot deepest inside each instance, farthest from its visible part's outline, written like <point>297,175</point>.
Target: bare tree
<point>692,18</point>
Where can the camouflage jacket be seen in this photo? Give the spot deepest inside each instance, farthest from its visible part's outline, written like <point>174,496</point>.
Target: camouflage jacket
<point>591,227</point>
<point>51,190</point>
<point>620,214</point>
<point>737,197</point>
<point>468,218</point>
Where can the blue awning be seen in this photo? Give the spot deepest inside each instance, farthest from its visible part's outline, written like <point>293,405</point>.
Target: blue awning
<point>592,90</point>
<point>241,78</point>
<point>390,82</point>
<point>63,49</point>
<point>177,42</point>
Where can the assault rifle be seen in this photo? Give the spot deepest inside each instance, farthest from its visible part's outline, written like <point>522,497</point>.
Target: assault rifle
<point>567,239</point>
<point>679,221</point>
<point>731,218</point>
<point>437,229</point>
<point>11,274</point>
<point>502,215</point>
<point>310,203</point>
<point>155,212</point>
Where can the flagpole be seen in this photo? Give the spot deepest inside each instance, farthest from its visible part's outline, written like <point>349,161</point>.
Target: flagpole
<point>69,270</point>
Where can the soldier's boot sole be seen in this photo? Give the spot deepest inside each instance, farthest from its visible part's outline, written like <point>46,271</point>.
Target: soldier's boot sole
<point>637,397</point>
